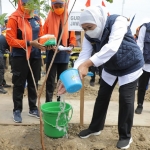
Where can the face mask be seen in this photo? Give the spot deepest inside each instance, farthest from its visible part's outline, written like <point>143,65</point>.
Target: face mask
<point>59,11</point>
<point>94,33</point>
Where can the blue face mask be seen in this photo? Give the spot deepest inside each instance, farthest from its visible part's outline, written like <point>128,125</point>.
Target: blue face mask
<point>94,33</point>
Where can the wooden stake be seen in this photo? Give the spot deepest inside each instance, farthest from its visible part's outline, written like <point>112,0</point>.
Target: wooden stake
<point>82,92</point>
<point>43,65</point>
<point>82,104</point>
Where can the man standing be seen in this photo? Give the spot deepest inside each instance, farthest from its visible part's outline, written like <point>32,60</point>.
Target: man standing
<point>3,46</point>
<point>144,43</point>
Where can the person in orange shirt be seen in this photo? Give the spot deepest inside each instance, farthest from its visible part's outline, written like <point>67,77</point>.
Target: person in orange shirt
<point>23,28</point>
<point>53,25</point>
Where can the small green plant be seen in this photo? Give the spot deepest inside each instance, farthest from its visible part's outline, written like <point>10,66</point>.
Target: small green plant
<point>41,6</point>
<point>2,19</point>
<point>110,1</point>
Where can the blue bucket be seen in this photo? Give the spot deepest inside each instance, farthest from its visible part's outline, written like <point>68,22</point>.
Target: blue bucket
<point>71,80</point>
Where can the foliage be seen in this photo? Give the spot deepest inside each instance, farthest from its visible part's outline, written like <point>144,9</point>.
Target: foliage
<point>2,18</point>
<point>110,1</point>
<point>40,6</point>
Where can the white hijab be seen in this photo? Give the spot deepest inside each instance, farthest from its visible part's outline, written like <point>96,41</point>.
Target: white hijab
<point>95,15</point>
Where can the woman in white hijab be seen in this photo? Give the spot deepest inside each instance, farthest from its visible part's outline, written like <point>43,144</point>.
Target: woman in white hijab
<point>115,49</point>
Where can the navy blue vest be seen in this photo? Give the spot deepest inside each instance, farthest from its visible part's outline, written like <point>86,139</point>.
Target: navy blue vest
<point>35,52</point>
<point>146,49</point>
<point>127,59</point>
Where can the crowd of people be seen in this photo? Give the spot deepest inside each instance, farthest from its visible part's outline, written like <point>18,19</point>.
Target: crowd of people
<point>109,49</point>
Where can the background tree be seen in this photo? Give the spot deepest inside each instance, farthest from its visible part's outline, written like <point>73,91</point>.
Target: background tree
<point>110,1</point>
<point>41,6</point>
<point>2,18</point>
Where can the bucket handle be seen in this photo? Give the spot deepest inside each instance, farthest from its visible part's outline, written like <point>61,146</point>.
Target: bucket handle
<point>71,114</point>
<point>68,119</point>
<point>53,125</point>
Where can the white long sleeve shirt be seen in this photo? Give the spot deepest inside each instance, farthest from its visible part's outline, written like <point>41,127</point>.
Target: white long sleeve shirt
<point>140,43</point>
<point>119,29</point>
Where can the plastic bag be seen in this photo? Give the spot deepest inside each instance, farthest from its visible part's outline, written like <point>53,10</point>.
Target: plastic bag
<point>48,40</point>
<point>62,48</point>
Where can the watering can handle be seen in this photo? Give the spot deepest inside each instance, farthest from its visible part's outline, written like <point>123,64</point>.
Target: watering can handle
<point>90,74</point>
<point>54,126</point>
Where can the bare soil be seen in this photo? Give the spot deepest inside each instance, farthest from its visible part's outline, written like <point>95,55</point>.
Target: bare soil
<point>28,137</point>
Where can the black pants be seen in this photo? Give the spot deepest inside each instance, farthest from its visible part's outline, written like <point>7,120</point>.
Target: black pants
<point>1,71</point>
<point>21,74</point>
<point>142,83</point>
<point>50,83</point>
<point>126,108</point>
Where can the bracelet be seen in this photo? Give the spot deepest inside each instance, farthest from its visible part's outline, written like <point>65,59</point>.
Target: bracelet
<point>28,43</point>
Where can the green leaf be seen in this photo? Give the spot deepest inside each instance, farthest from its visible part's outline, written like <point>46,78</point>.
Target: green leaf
<point>39,5</point>
<point>110,1</point>
<point>42,15</point>
<point>42,2</point>
<point>15,2</point>
<point>2,19</point>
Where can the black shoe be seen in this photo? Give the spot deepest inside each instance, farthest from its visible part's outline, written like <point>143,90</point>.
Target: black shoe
<point>139,109</point>
<point>87,133</point>
<point>2,91</point>
<point>6,86</point>
<point>34,113</point>
<point>17,116</point>
<point>124,144</point>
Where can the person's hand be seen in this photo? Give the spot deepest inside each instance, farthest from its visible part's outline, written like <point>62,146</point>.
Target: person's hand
<point>50,47</point>
<point>84,67</point>
<point>68,51</point>
<point>71,48</point>
<point>37,45</point>
<point>53,48</point>
<point>83,70</point>
<point>61,89</point>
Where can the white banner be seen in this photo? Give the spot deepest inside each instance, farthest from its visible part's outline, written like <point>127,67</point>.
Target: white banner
<point>74,20</point>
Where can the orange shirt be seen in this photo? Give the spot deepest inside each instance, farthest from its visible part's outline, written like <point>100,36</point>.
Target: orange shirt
<point>11,34</point>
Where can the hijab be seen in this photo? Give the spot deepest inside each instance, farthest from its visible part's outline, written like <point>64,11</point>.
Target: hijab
<point>54,22</point>
<point>95,15</point>
<point>23,24</point>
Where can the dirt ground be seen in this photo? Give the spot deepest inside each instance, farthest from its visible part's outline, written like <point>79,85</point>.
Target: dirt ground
<point>28,137</point>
